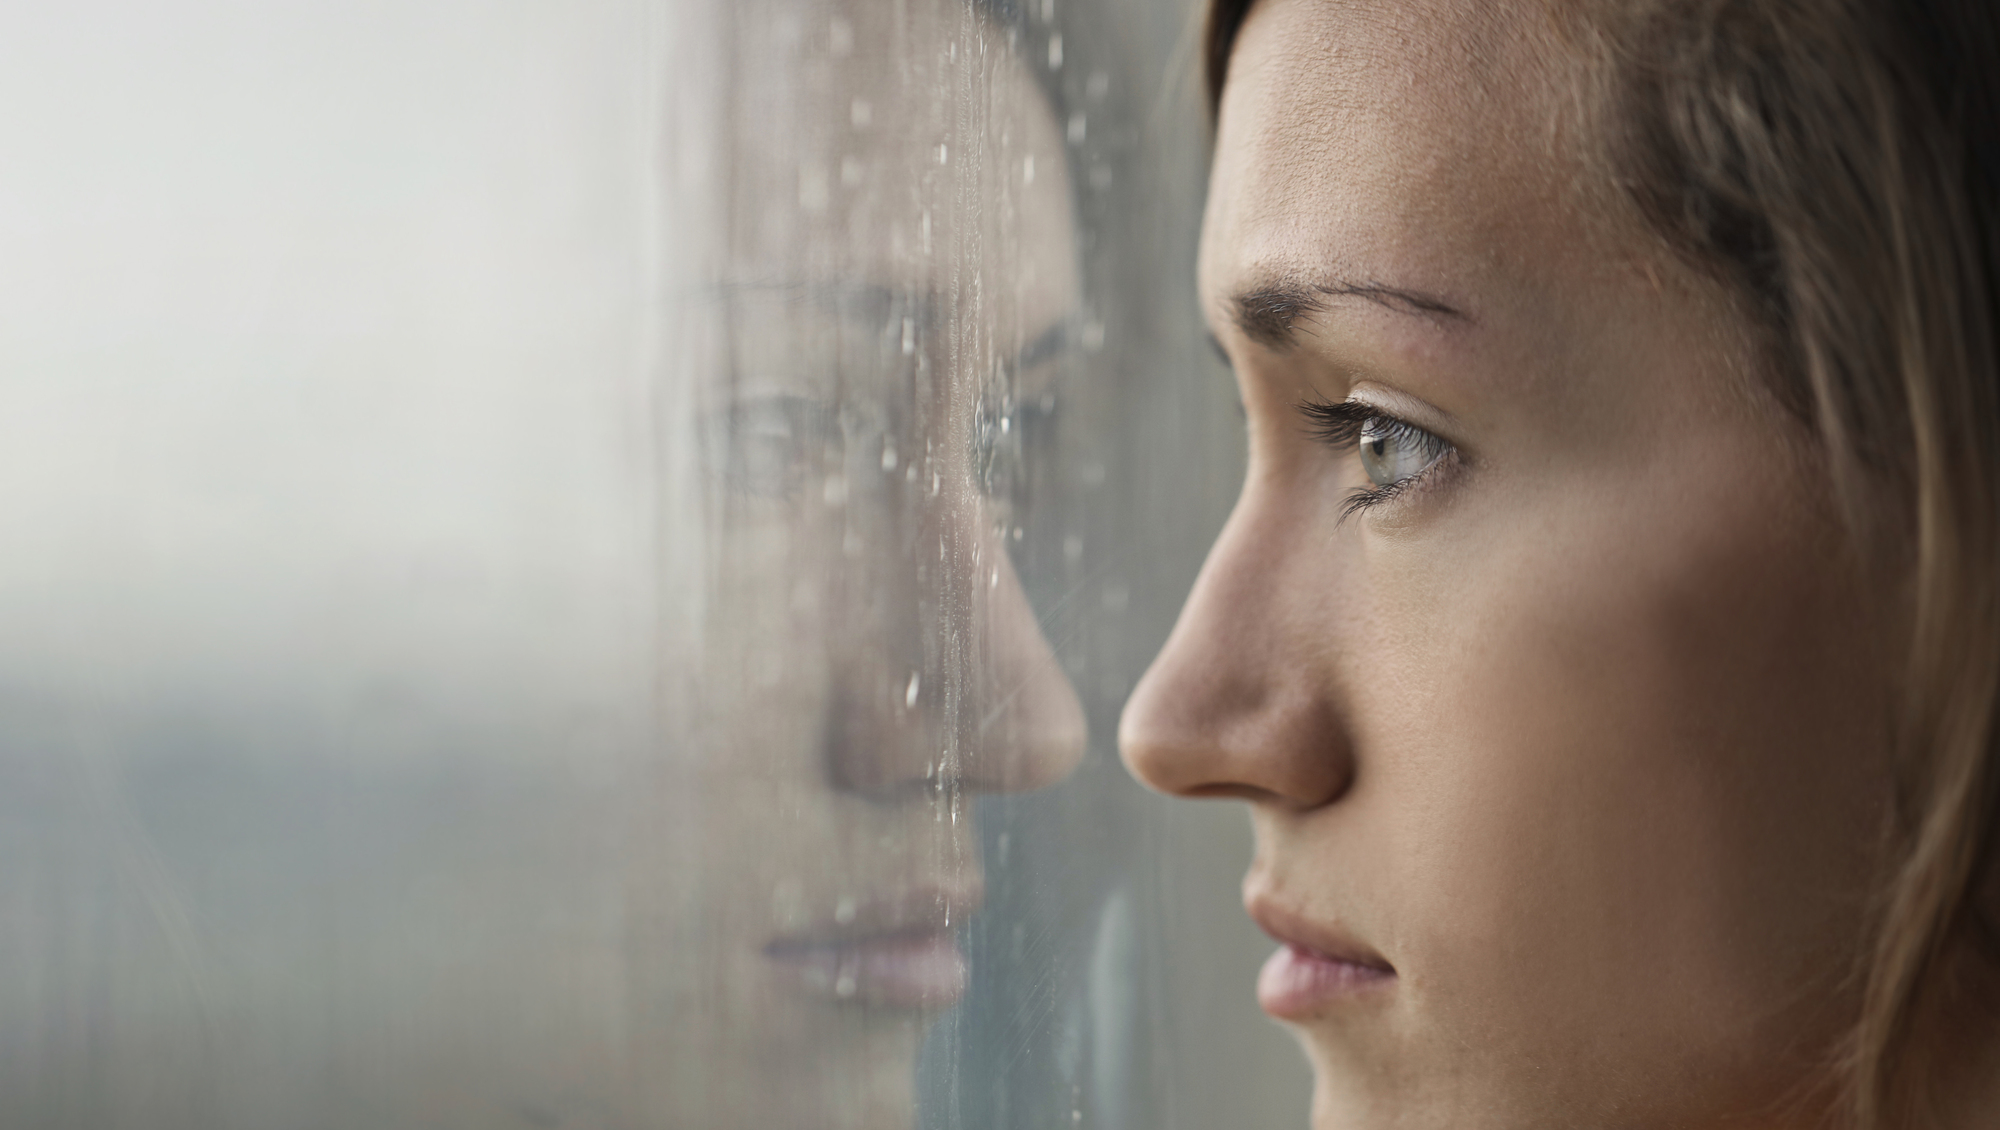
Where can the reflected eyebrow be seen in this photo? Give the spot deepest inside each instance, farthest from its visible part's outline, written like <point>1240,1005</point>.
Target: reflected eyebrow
<point>1053,342</point>
<point>840,297</point>
<point>1268,314</point>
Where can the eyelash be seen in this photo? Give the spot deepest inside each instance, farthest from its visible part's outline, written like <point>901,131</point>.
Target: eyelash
<point>1341,425</point>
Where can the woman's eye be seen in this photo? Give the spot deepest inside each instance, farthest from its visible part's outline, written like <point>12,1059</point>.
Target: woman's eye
<point>1393,452</point>
<point>1003,431</point>
<point>767,446</point>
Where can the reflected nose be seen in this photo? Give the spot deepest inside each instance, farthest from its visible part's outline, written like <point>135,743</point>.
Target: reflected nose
<point>1238,703</point>
<point>1029,730</point>
<point>982,704</point>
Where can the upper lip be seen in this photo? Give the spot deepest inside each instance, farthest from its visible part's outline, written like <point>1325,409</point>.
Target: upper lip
<point>1294,928</point>
<point>912,911</point>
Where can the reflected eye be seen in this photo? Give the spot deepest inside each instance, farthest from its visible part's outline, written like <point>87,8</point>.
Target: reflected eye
<point>766,446</point>
<point>996,447</point>
<point>1004,430</point>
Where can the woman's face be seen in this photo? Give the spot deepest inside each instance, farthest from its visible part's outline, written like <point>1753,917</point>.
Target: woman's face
<point>524,777</point>
<point>886,335</point>
<point>1530,642</point>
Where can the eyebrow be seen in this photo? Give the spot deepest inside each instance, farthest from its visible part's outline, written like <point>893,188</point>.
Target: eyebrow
<point>1057,339</point>
<point>1268,314</point>
<point>839,297</point>
<point>1052,342</point>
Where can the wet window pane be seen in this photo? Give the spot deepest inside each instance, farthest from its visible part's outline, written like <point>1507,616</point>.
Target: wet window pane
<point>574,565</point>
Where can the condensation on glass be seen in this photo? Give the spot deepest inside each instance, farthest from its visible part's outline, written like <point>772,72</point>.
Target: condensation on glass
<point>574,565</point>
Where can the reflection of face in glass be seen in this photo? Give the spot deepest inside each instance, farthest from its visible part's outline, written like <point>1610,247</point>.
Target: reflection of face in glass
<point>347,778</point>
<point>896,284</point>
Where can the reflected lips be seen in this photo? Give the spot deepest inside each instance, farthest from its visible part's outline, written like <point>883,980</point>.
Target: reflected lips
<point>920,968</point>
<point>895,951</point>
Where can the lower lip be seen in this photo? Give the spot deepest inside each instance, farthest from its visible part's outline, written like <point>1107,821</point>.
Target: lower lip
<point>916,971</point>
<point>1298,983</point>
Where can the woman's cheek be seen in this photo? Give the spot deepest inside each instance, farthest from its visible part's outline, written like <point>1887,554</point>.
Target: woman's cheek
<point>1622,841</point>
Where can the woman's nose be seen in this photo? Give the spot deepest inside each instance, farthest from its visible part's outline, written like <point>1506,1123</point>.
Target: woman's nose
<point>987,708</point>
<point>1029,728</point>
<point>1239,703</point>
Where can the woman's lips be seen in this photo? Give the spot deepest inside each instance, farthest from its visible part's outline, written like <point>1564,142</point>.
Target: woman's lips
<point>1297,982</point>
<point>918,968</point>
<point>895,950</point>
<point>1316,966</point>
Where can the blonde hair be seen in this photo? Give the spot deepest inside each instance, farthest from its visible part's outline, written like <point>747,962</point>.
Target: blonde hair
<point>1836,163</point>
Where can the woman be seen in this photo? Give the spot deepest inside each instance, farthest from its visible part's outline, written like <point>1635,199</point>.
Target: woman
<point>1605,639</point>
<point>419,709</point>
<point>867,661</point>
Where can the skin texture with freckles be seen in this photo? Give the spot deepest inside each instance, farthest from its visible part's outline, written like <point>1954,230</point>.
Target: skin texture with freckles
<point>1583,732</point>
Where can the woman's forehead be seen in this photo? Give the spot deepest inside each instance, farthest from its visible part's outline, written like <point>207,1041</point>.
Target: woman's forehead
<point>892,147</point>
<point>1422,146</point>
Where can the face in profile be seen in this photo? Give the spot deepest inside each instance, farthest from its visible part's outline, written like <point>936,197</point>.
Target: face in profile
<point>705,867</point>
<point>883,333</point>
<point>1529,644</point>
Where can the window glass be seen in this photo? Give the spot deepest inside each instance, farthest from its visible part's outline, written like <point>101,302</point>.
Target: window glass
<point>574,565</point>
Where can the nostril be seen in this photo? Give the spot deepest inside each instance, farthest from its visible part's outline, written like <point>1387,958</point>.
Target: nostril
<point>1233,792</point>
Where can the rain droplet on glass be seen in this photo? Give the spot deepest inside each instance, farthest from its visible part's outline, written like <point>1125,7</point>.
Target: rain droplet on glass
<point>910,692</point>
<point>861,113</point>
<point>1055,52</point>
